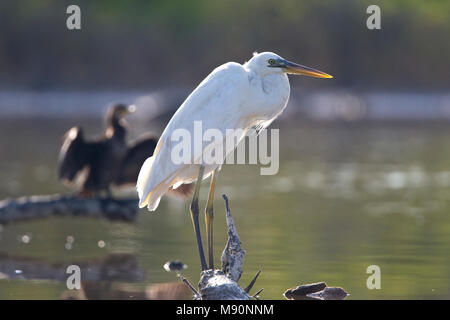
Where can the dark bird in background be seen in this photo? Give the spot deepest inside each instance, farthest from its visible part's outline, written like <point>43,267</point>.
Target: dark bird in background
<point>93,166</point>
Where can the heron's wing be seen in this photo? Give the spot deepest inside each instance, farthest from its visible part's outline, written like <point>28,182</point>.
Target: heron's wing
<point>216,103</point>
<point>72,156</point>
<point>130,166</point>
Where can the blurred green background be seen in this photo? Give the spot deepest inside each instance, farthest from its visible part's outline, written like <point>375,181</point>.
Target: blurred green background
<point>135,44</point>
<point>364,173</point>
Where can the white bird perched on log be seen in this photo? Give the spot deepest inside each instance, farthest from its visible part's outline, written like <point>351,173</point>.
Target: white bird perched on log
<point>233,96</point>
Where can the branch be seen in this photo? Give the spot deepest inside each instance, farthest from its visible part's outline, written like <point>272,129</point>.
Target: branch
<point>190,286</point>
<point>233,254</point>
<point>222,284</point>
<point>250,286</point>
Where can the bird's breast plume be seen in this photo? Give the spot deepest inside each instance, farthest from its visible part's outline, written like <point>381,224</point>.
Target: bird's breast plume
<point>143,183</point>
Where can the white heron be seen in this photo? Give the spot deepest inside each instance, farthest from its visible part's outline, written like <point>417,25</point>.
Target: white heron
<point>233,96</point>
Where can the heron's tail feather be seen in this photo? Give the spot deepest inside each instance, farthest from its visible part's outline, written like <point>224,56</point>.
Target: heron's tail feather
<point>155,197</point>
<point>143,183</point>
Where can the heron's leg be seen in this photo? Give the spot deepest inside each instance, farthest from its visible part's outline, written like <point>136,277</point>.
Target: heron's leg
<point>209,217</point>
<point>194,209</point>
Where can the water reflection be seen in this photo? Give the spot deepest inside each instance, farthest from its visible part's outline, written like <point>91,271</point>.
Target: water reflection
<point>348,195</point>
<point>107,278</point>
<point>115,267</point>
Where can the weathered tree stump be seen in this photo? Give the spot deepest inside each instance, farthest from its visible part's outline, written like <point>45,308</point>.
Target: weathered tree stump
<point>223,284</point>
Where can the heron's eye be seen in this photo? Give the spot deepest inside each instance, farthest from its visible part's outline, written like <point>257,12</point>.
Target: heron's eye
<point>271,61</point>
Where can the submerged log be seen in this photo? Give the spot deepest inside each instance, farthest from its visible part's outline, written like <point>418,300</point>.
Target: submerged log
<point>38,207</point>
<point>315,291</point>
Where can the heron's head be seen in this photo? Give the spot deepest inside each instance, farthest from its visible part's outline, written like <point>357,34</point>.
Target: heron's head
<point>270,63</point>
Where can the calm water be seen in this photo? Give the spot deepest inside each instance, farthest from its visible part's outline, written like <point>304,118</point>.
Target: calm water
<point>348,195</point>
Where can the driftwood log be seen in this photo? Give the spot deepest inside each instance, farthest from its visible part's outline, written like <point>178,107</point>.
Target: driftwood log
<point>38,207</point>
<point>223,284</point>
<point>315,291</point>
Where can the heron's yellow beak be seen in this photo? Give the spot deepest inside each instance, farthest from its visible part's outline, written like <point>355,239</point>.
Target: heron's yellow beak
<point>293,68</point>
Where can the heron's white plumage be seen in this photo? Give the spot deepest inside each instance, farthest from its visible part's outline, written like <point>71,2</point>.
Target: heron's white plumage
<point>233,96</point>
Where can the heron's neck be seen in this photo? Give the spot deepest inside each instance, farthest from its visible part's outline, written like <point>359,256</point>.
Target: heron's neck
<point>275,83</point>
<point>275,94</point>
